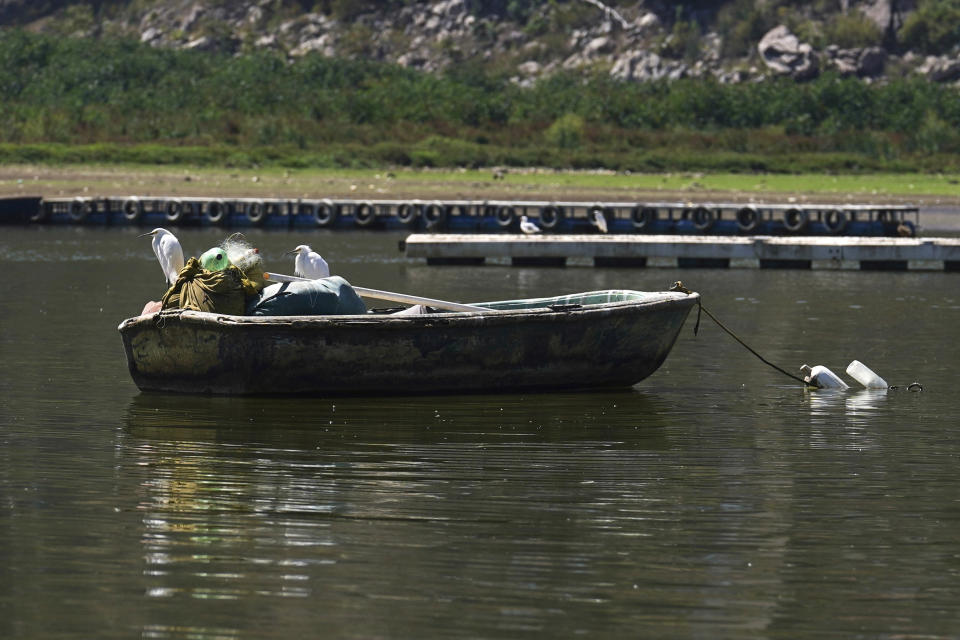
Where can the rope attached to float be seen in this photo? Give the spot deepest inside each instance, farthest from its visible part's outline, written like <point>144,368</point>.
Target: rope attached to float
<point>678,286</point>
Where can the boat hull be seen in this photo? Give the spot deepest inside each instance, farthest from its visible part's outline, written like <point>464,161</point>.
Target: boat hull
<point>602,345</point>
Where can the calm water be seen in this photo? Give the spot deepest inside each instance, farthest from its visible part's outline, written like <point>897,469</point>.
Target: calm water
<point>715,500</point>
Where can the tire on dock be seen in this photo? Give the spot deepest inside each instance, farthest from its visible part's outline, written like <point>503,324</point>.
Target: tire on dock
<point>506,216</point>
<point>326,213</point>
<point>132,209</point>
<point>218,212</point>
<point>835,220</point>
<point>80,209</point>
<point>365,214</point>
<point>795,220</point>
<point>435,215</point>
<point>643,217</point>
<point>408,212</point>
<point>256,212</point>
<point>174,210</point>
<point>703,218</point>
<point>748,219</point>
<point>550,216</point>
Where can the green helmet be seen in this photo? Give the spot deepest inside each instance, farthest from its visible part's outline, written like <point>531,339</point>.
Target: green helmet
<point>215,259</point>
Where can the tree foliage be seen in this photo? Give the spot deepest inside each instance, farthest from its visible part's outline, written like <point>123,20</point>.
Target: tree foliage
<point>934,27</point>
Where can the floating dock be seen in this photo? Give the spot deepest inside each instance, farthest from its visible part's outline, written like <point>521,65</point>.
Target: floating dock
<point>486,216</point>
<point>767,252</point>
<point>18,209</point>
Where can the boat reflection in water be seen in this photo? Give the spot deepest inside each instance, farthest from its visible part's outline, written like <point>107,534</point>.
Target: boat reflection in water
<point>288,497</point>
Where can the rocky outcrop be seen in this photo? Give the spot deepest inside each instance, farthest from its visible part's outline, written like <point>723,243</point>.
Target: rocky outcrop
<point>645,66</point>
<point>868,62</point>
<point>940,69</point>
<point>784,54</point>
<point>638,42</point>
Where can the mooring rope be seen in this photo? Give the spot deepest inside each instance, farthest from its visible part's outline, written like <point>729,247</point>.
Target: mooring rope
<point>678,286</point>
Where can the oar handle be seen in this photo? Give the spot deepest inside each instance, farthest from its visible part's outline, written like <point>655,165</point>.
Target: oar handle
<point>388,295</point>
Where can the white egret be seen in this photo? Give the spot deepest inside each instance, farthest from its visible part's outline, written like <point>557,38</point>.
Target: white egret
<point>527,226</point>
<point>309,263</point>
<point>168,251</point>
<point>599,220</point>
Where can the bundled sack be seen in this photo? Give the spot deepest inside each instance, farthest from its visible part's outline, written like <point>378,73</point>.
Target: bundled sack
<point>322,297</point>
<point>225,291</point>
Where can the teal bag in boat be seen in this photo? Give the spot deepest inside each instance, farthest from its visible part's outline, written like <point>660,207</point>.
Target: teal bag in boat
<point>322,297</point>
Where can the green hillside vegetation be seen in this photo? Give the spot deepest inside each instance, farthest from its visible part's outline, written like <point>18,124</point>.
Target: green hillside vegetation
<point>105,100</point>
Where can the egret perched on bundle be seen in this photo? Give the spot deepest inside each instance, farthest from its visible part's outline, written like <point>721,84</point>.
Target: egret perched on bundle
<point>528,226</point>
<point>309,263</point>
<point>168,251</point>
<point>599,220</point>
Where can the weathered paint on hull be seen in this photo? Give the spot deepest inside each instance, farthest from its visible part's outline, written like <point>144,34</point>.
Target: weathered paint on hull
<point>614,345</point>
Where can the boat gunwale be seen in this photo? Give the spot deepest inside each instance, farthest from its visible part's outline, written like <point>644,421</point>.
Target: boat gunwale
<point>374,320</point>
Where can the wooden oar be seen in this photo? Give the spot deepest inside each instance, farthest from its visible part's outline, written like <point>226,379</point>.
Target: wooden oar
<point>388,295</point>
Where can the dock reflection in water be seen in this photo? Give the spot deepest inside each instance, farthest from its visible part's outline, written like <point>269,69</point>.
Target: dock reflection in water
<point>715,499</point>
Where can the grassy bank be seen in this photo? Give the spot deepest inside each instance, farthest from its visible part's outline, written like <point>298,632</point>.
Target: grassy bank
<point>116,180</point>
<point>648,153</point>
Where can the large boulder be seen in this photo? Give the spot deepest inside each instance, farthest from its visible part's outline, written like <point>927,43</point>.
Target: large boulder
<point>868,62</point>
<point>598,45</point>
<point>871,62</point>
<point>784,54</point>
<point>940,69</point>
<point>450,8</point>
<point>645,66</point>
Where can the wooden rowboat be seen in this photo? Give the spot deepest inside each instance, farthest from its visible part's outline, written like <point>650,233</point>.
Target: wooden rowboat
<point>587,340</point>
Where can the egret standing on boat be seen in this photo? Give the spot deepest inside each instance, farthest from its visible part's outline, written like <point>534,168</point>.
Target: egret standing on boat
<point>527,226</point>
<point>309,263</point>
<point>168,251</point>
<point>599,220</point>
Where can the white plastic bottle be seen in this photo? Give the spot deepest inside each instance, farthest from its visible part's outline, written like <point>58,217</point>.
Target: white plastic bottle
<point>862,374</point>
<point>820,376</point>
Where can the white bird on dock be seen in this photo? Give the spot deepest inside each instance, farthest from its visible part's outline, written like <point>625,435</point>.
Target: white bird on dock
<point>168,251</point>
<point>527,226</point>
<point>599,220</point>
<point>309,263</point>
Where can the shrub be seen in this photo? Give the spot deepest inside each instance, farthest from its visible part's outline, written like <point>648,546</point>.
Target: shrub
<point>934,135</point>
<point>75,18</point>
<point>424,158</point>
<point>743,23</point>
<point>392,153</point>
<point>683,41</point>
<point>934,27</point>
<point>852,30</point>
<point>566,132</point>
<point>567,16</point>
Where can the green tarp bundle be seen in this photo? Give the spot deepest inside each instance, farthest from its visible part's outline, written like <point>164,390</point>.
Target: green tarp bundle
<point>197,289</point>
